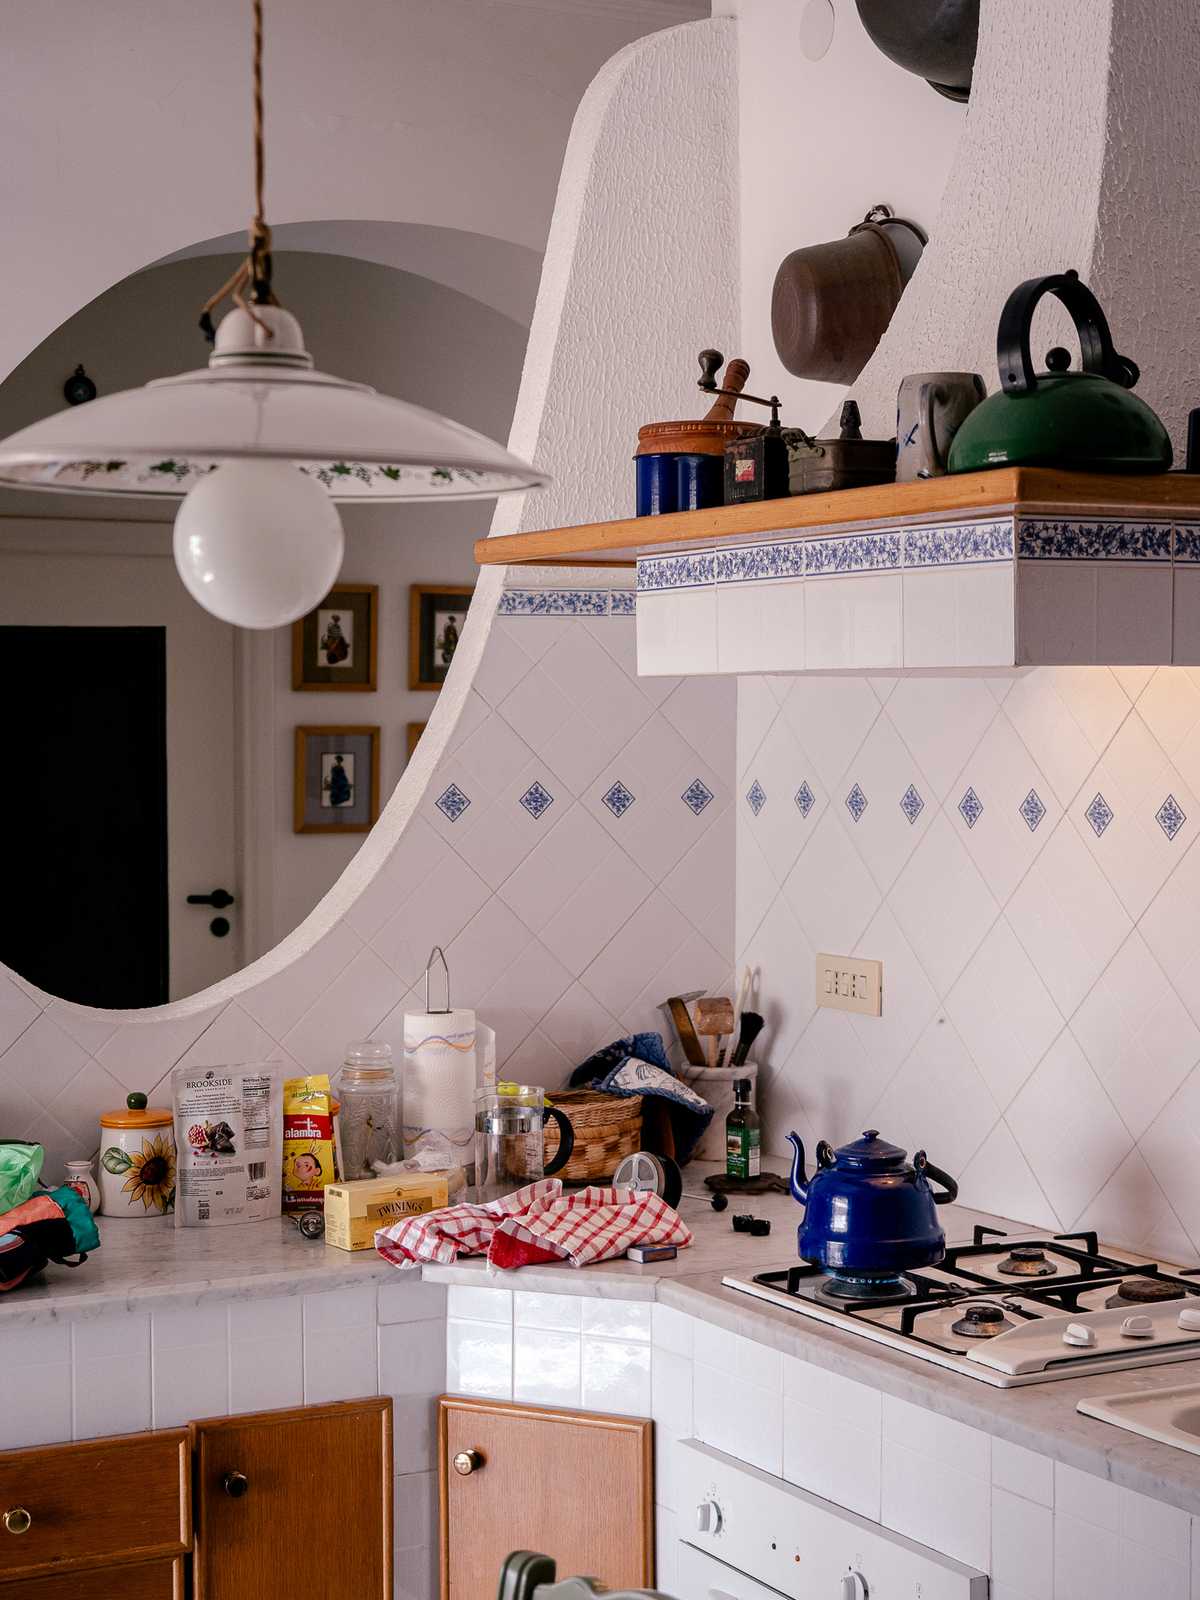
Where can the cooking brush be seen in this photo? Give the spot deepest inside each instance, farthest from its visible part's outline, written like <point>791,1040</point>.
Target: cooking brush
<point>748,1031</point>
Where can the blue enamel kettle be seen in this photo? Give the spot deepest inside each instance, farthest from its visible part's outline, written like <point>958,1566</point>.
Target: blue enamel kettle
<point>868,1212</point>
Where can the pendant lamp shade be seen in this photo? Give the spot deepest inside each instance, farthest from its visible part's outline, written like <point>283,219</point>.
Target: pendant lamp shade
<point>260,399</point>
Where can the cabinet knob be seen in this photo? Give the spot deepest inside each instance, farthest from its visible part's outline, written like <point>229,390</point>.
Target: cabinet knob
<point>467,1461</point>
<point>235,1484</point>
<point>17,1520</point>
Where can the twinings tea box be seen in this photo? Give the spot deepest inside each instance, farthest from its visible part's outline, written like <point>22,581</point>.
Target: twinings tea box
<point>353,1211</point>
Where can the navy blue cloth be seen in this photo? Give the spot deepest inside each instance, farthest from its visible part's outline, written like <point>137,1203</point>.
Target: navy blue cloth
<point>688,1113</point>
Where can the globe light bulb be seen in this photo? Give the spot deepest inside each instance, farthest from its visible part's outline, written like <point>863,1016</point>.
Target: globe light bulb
<point>258,543</point>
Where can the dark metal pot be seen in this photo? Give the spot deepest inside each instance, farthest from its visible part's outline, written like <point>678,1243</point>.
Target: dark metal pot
<point>936,39</point>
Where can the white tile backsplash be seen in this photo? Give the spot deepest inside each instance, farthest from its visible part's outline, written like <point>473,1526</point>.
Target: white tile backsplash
<point>1064,960</point>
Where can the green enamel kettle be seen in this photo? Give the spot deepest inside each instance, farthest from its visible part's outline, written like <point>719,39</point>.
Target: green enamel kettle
<point>1086,421</point>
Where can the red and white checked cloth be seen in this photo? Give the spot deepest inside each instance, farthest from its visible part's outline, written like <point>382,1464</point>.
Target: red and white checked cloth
<point>537,1223</point>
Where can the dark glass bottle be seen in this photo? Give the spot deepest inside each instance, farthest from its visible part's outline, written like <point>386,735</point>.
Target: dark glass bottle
<point>742,1134</point>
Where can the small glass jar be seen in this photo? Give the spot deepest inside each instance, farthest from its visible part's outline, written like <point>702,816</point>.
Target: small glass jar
<point>369,1120</point>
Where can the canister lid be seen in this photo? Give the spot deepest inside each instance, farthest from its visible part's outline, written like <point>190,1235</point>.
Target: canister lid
<point>135,1113</point>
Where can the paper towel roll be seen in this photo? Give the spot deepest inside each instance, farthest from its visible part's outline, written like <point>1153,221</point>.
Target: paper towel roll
<point>440,1066</point>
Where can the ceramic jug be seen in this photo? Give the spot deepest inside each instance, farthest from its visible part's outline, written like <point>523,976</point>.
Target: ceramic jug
<point>930,409</point>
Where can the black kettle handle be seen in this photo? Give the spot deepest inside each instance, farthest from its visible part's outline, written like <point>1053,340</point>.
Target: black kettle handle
<point>927,1169</point>
<point>566,1142</point>
<point>1095,341</point>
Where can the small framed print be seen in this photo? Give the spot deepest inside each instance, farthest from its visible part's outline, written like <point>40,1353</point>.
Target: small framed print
<point>334,646</point>
<point>337,779</point>
<point>437,612</point>
<point>413,734</point>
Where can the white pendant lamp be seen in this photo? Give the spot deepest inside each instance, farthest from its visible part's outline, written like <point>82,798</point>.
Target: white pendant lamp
<point>259,443</point>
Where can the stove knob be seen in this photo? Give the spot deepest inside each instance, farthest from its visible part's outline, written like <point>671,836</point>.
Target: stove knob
<point>1076,1333</point>
<point>708,1517</point>
<point>1137,1328</point>
<point>854,1587</point>
<point>1189,1318</point>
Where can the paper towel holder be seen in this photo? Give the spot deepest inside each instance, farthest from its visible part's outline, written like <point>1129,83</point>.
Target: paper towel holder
<point>431,1010</point>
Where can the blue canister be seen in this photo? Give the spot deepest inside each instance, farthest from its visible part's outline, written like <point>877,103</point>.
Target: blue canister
<point>699,482</point>
<point>657,484</point>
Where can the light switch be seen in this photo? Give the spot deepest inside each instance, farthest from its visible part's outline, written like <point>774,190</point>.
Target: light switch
<point>850,983</point>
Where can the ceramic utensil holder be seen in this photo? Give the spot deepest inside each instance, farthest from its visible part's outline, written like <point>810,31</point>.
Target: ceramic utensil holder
<point>716,1086</point>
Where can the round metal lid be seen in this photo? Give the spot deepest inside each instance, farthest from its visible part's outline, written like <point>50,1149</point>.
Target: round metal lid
<point>871,1151</point>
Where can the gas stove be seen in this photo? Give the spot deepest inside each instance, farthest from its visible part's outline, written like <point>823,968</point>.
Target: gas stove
<point>1010,1309</point>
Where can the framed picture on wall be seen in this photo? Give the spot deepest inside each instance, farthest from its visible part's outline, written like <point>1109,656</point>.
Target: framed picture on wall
<point>413,734</point>
<point>334,646</point>
<point>437,612</point>
<point>337,779</point>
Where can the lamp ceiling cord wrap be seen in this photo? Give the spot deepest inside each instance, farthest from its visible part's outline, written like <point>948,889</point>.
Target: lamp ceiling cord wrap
<point>256,269</point>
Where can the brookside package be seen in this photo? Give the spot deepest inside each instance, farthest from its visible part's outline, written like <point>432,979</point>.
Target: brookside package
<point>354,1211</point>
<point>229,1144</point>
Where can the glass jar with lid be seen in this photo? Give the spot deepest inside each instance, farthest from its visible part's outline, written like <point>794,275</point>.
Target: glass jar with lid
<point>369,1121</point>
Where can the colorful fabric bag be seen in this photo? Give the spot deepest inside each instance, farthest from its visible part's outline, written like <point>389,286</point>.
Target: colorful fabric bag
<point>20,1168</point>
<point>52,1225</point>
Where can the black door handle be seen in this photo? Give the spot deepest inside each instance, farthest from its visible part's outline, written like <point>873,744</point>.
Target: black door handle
<point>218,899</point>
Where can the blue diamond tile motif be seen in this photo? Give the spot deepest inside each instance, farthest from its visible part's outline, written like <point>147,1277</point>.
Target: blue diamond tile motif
<point>756,797</point>
<point>1170,816</point>
<point>1032,809</point>
<point>1099,814</point>
<point>856,802</point>
<point>971,808</point>
<point>911,803</point>
<point>618,799</point>
<point>805,798</point>
<point>536,799</point>
<point>452,803</point>
<point>696,796</point>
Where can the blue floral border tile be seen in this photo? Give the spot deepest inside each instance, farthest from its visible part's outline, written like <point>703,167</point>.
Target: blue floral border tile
<point>753,561</point>
<point>562,602</point>
<point>693,571</point>
<point>964,544</point>
<point>1187,541</point>
<point>1123,540</point>
<point>853,552</point>
<point>622,602</point>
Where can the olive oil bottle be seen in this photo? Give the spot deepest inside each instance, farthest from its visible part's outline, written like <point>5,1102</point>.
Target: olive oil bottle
<point>742,1134</point>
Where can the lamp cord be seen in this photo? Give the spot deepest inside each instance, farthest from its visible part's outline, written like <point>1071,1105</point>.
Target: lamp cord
<point>255,271</point>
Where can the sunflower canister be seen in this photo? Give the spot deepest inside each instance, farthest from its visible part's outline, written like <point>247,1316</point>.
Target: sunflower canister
<point>137,1160</point>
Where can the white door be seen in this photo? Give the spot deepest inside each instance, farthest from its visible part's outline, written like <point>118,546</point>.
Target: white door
<point>83,574</point>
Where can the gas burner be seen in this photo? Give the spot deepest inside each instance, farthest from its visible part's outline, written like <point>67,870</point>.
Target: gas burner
<point>980,1322</point>
<point>839,1286</point>
<point>1143,1292</point>
<point>1026,1261</point>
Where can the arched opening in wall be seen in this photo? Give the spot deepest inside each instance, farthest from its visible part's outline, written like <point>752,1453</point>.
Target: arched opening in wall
<point>156,753</point>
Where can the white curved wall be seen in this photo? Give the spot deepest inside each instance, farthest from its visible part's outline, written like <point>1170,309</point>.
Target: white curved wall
<point>564,929</point>
<point>127,129</point>
<point>1041,1028</point>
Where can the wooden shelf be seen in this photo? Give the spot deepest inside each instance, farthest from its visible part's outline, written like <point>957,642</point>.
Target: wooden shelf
<point>1032,491</point>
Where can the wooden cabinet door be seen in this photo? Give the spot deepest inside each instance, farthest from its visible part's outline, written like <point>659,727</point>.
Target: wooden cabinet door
<point>571,1484</point>
<point>295,1503</point>
<point>94,1503</point>
<point>148,1580</point>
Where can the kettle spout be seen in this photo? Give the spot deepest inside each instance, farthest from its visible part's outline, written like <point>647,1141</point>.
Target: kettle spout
<point>798,1180</point>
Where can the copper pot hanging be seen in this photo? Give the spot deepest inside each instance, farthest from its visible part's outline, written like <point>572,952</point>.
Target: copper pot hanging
<point>832,302</point>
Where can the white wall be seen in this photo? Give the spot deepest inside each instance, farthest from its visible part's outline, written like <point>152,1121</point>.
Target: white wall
<point>822,142</point>
<point>1041,1027</point>
<point>130,129</point>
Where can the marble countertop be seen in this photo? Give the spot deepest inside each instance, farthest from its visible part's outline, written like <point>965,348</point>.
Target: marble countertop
<point>153,1265</point>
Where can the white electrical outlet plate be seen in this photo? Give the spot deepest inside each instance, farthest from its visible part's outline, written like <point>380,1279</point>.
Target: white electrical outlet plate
<point>848,983</point>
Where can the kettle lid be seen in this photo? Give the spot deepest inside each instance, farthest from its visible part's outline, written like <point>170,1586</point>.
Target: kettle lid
<point>871,1152</point>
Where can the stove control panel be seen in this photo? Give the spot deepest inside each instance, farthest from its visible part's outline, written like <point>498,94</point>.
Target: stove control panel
<point>768,1535</point>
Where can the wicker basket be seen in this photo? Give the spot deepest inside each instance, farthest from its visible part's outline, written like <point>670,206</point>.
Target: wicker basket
<point>607,1127</point>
